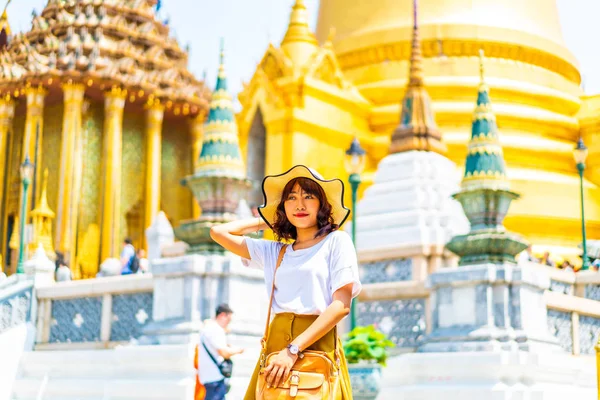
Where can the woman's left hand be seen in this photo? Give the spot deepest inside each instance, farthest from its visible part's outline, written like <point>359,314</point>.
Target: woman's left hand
<point>280,367</point>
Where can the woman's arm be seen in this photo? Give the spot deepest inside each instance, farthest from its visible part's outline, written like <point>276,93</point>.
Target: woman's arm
<point>231,234</point>
<point>340,307</point>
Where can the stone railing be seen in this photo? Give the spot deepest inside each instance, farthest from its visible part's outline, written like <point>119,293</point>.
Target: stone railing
<point>15,301</point>
<point>401,307</point>
<point>573,302</point>
<point>95,313</point>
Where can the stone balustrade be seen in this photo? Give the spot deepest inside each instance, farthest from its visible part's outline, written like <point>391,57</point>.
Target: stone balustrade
<point>400,306</point>
<point>15,301</point>
<point>95,313</point>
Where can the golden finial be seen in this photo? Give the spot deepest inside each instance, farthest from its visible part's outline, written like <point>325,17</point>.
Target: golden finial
<point>222,59</point>
<point>4,15</point>
<point>298,29</point>
<point>481,67</point>
<point>222,52</point>
<point>417,129</point>
<point>416,57</point>
<point>331,35</point>
<point>44,196</point>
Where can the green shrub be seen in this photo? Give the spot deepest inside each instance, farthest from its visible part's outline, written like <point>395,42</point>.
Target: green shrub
<point>368,344</point>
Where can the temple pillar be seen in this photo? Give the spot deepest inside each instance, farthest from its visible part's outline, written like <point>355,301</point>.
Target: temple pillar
<point>197,131</point>
<point>154,119</point>
<point>7,111</point>
<point>32,139</point>
<point>114,103</point>
<point>68,190</point>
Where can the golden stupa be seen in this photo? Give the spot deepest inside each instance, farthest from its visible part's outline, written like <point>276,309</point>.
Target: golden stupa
<point>314,92</point>
<point>98,93</point>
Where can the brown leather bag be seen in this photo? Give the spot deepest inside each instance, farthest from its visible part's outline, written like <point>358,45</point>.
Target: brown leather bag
<point>312,377</point>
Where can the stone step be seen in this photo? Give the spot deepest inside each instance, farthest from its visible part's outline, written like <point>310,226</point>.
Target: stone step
<point>125,372</point>
<point>102,389</point>
<point>167,361</point>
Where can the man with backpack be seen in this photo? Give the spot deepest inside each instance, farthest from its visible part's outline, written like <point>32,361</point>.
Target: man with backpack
<point>214,354</point>
<point>128,258</point>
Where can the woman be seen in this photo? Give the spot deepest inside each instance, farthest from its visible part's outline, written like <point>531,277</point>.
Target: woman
<point>318,275</point>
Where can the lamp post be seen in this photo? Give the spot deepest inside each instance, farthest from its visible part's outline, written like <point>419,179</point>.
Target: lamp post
<point>355,164</point>
<point>580,154</point>
<point>26,173</point>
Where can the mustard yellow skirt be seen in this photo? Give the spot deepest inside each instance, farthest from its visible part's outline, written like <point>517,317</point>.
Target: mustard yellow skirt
<point>284,328</point>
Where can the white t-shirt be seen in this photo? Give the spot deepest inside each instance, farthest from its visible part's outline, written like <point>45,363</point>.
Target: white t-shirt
<point>306,278</point>
<point>215,338</point>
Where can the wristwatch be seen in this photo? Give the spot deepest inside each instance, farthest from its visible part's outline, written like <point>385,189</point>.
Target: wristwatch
<point>294,350</point>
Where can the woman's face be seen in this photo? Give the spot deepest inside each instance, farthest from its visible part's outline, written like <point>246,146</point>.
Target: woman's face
<point>301,208</point>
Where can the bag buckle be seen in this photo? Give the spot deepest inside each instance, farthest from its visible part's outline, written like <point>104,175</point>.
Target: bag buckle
<point>294,381</point>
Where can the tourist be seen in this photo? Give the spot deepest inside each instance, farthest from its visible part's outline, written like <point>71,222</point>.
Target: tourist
<point>213,351</point>
<point>567,266</point>
<point>527,256</point>
<point>127,257</point>
<point>144,264</point>
<point>318,274</point>
<point>547,261</point>
<point>62,272</point>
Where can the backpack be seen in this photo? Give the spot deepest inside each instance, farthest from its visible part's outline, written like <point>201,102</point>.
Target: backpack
<point>134,264</point>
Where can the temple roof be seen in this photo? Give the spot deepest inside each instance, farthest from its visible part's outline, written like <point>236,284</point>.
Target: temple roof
<point>104,43</point>
<point>221,155</point>
<point>485,167</point>
<point>417,129</point>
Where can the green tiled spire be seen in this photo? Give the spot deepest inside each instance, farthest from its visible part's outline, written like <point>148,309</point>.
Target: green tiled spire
<point>485,197</point>
<point>220,155</point>
<point>484,168</point>
<point>219,182</point>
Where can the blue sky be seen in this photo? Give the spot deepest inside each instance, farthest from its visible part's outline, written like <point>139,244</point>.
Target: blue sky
<point>248,26</point>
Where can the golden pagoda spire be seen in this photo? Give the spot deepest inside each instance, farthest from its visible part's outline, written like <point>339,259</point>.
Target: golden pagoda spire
<point>5,30</point>
<point>481,67</point>
<point>299,43</point>
<point>42,217</point>
<point>417,129</point>
<point>43,208</point>
<point>416,56</point>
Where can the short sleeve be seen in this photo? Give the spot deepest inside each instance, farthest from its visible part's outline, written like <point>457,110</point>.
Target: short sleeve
<point>215,338</point>
<point>343,264</point>
<point>261,252</point>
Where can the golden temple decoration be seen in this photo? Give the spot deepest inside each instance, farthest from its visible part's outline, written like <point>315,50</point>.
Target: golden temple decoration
<point>88,253</point>
<point>114,102</point>
<point>197,131</point>
<point>13,244</point>
<point>42,217</point>
<point>32,141</point>
<point>299,43</point>
<point>105,44</point>
<point>417,129</point>
<point>154,122</point>
<point>7,111</point>
<point>70,169</point>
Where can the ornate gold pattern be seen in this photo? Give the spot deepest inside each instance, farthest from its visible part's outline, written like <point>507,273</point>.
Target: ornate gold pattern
<point>104,44</point>
<point>400,51</point>
<point>133,170</point>
<point>53,116</point>
<point>176,200</point>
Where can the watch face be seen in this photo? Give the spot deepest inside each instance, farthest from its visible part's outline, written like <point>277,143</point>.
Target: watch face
<point>293,348</point>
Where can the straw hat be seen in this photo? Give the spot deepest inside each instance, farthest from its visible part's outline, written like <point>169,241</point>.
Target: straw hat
<point>273,186</point>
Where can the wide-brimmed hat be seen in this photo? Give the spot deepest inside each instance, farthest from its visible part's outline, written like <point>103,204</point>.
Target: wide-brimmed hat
<point>273,186</point>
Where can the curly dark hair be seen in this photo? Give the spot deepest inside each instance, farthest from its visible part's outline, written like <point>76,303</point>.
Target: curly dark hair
<point>284,229</point>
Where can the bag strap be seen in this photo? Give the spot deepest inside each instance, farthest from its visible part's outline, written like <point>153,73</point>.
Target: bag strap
<point>209,353</point>
<point>263,341</point>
